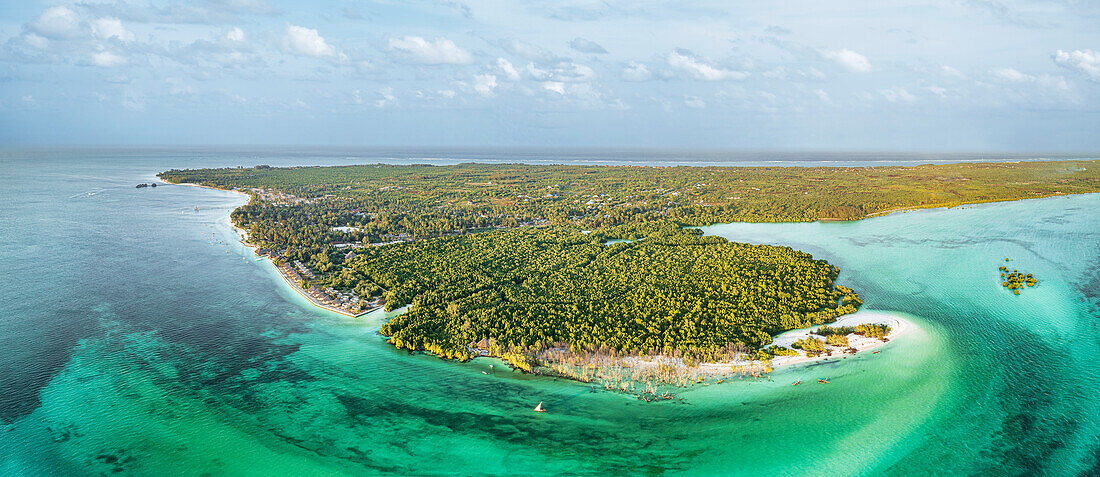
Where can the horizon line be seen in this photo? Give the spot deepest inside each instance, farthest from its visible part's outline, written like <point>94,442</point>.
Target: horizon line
<point>538,148</point>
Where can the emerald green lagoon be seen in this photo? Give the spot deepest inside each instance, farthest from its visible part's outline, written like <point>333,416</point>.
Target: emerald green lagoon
<point>140,337</point>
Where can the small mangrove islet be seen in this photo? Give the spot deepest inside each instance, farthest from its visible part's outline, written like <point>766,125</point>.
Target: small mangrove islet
<point>1015,280</point>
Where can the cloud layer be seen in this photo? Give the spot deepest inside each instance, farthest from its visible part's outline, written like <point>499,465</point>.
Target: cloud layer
<point>439,51</point>
<point>797,74</point>
<point>305,41</point>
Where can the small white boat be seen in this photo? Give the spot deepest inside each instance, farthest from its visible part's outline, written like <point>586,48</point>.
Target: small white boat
<point>539,408</point>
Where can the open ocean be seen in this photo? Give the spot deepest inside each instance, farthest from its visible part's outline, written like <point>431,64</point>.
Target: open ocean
<point>139,337</point>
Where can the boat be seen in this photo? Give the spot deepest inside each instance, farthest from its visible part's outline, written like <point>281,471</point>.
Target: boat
<point>796,383</point>
<point>539,408</point>
<point>483,372</point>
<point>823,381</point>
<point>876,351</point>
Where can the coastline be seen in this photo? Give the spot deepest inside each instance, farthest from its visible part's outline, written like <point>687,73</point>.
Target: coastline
<point>915,208</point>
<point>701,371</point>
<point>243,235</point>
<point>311,298</point>
<point>899,326</point>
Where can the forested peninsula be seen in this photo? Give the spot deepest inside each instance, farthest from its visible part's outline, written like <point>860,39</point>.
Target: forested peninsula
<point>541,263</point>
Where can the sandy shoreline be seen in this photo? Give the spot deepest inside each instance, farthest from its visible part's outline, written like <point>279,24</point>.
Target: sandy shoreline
<point>243,235</point>
<point>899,326</point>
<point>312,300</point>
<point>917,208</point>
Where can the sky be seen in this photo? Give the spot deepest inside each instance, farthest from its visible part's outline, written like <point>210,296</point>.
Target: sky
<point>948,75</point>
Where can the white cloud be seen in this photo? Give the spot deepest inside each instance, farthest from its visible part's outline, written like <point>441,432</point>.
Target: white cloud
<point>952,72</point>
<point>36,41</point>
<point>176,87</point>
<point>897,94</point>
<point>617,104</point>
<point>582,94</point>
<point>554,86</point>
<point>787,74</point>
<point>1084,61</point>
<point>109,27</point>
<point>107,59</point>
<point>563,71</point>
<point>386,97</point>
<point>537,73</point>
<point>695,102</point>
<point>57,23</point>
<point>485,84</point>
<point>585,93</point>
<point>700,69</point>
<point>586,46</point>
<point>1012,75</point>
<point>850,60</point>
<point>506,68</point>
<point>439,51</point>
<point>229,49</point>
<point>937,90</point>
<point>527,50</point>
<point>1046,82</point>
<point>306,41</point>
<point>822,95</point>
<point>236,34</point>
<point>570,71</point>
<point>1049,82</point>
<point>636,72</point>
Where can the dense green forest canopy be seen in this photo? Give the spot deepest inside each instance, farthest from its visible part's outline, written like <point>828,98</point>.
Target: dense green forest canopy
<point>540,287</point>
<point>423,200</point>
<point>514,255</point>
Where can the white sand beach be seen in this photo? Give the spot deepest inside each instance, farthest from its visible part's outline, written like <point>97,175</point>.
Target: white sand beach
<point>899,326</point>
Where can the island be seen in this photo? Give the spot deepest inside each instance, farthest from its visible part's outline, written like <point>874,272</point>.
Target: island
<point>575,270</point>
<point>1014,280</point>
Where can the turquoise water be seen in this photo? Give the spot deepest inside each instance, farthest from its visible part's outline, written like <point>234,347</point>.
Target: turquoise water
<point>140,337</point>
